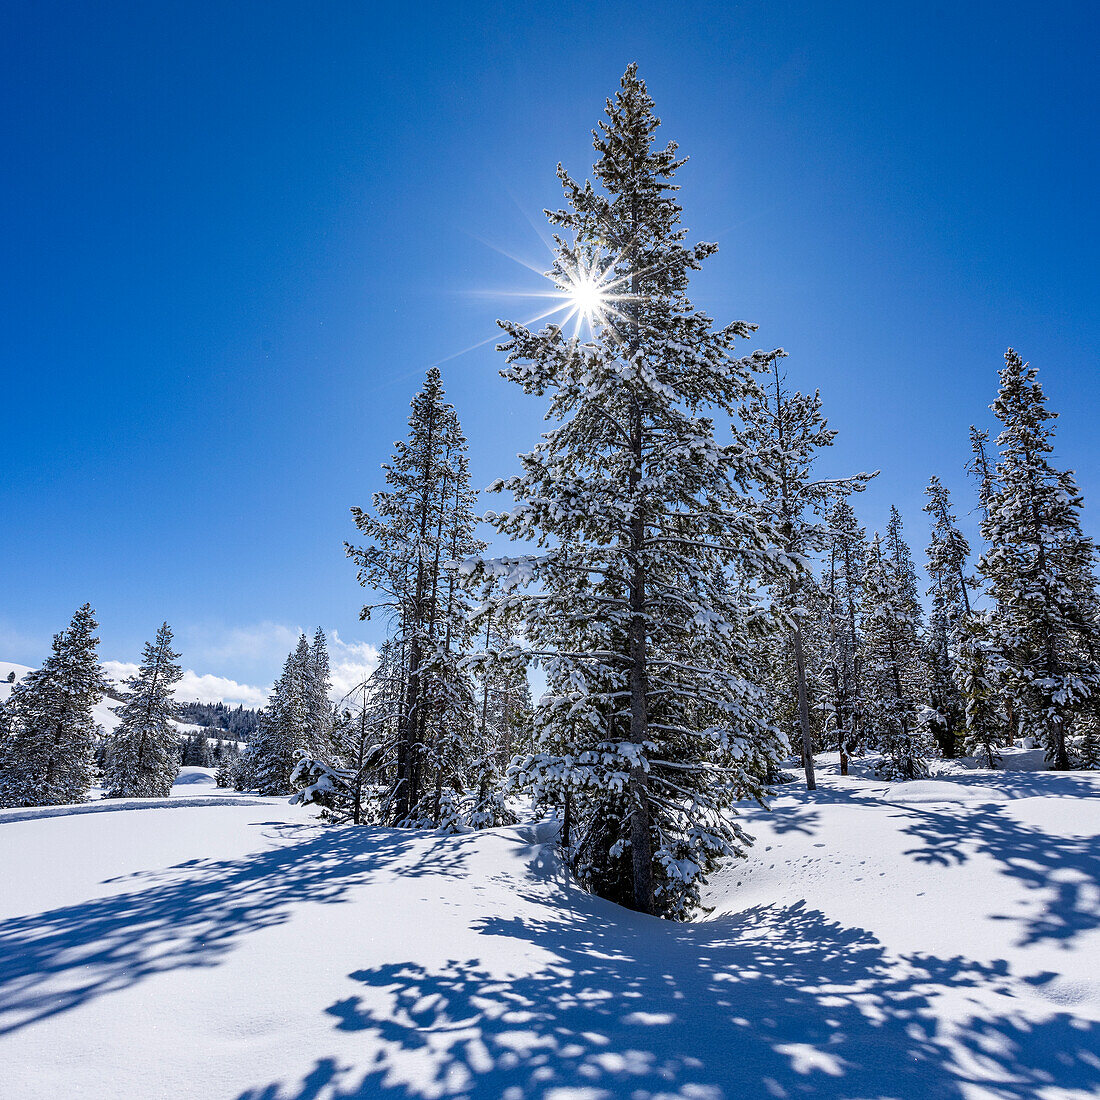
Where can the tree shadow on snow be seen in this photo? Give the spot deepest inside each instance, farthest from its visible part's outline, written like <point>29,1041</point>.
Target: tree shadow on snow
<point>775,1002</point>
<point>1029,784</point>
<point>1065,868</point>
<point>192,914</point>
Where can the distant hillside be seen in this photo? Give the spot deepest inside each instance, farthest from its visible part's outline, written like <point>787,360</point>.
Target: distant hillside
<point>238,723</point>
<point>103,712</point>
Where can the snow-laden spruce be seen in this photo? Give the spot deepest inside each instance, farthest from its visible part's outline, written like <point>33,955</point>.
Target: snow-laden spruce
<point>640,600</point>
<point>1039,569</point>
<point>786,431</point>
<point>142,755</point>
<point>962,681</point>
<point>317,685</point>
<point>339,779</point>
<point>297,720</point>
<point>948,617</point>
<point>893,676</point>
<point>422,524</point>
<point>47,750</point>
<point>842,660</point>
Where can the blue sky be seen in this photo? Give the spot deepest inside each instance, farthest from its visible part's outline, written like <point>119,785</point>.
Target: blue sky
<point>236,235</point>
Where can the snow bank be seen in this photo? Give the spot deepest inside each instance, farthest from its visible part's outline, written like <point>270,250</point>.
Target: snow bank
<point>109,805</point>
<point>191,777</point>
<point>931,790</point>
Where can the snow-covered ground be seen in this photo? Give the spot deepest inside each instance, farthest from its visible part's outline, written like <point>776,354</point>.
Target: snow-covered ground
<point>926,940</point>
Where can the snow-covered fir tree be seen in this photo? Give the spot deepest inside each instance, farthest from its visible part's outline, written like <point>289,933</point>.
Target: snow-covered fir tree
<point>948,619</point>
<point>196,751</point>
<point>787,430</point>
<point>48,752</point>
<point>504,721</point>
<point>504,724</point>
<point>1039,569</point>
<point>979,467</point>
<point>842,664</point>
<point>891,663</point>
<point>339,780</point>
<point>143,758</point>
<point>981,657</point>
<point>904,570</point>
<point>977,679</point>
<point>346,778</point>
<point>421,525</point>
<point>285,729</point>
<point>318,683</point>
<point>227,774</point>
<point>639,600</point>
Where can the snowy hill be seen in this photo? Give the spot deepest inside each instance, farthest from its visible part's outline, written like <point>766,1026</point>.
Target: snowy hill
<point>922,941</point>
<point>103,711</point>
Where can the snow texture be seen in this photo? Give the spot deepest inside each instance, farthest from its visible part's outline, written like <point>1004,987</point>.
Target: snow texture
<point>867,949</point>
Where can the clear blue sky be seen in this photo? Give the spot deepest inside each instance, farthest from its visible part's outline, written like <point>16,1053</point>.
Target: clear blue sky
<point>236,235</point>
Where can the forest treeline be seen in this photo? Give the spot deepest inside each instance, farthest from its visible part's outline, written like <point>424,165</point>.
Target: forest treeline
<point>239,722</point>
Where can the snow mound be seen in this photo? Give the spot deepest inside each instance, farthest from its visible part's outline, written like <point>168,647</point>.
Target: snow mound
<point>195,777</point>
<point>934,790</point>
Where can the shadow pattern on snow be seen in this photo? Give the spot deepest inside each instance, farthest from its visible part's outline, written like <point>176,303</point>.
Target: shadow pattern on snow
<point>190,915</point>
<point>1065,868</point>
<point>775,1002</point>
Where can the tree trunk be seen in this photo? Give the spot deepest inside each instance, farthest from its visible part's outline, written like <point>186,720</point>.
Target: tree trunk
<point>804,710</point>
<point>1058,740</point>
<point>406,734</point>
<point>641,840</point>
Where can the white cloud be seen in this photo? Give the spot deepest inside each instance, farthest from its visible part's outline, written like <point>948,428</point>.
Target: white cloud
<point>118,670</point>
<point>350,663</point>
<point>199,687</point>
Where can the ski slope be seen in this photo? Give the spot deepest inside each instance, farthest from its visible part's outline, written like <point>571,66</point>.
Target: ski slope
<point>918,941</point>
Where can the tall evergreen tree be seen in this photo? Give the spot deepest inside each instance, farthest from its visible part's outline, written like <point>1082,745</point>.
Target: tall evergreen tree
<point>318,683</point>
<point>892,662</point>
<point>338,779</point>
<point>977,680</point>
<point>904,570</point>
<point>47,756</point>
<point>842,585</point>
<point>285,729</point>
<point>949,616</point>
<point>143,752</point>
<point>422,524</point>
<point>787,430</point>
<point>1039,568</point>
<point>641,522</point>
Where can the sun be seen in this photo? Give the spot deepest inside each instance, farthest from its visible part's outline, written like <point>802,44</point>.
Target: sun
<point>588,296</point>
<point>589,289</point>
